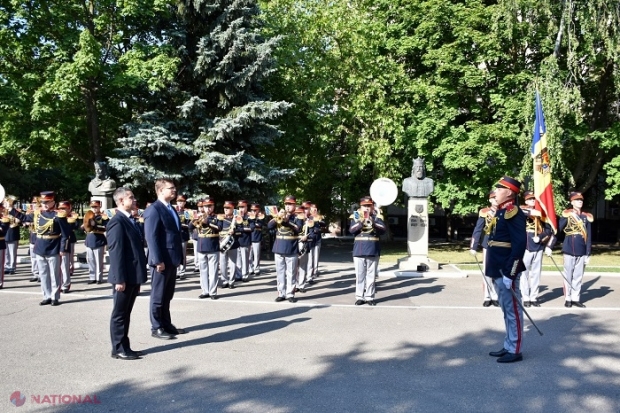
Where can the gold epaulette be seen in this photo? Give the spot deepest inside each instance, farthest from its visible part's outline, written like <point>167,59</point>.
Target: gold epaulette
<point>483,212</point>
<point>5,220</point>
<point>380,216</point>
<point>511,211</point>
<point>141,220</point>
<point>567,212</point>
<point>61,213</point>
<point>71,220</point>
<point>589,216</point>
<point>104,217</point>
<point>351,217</point>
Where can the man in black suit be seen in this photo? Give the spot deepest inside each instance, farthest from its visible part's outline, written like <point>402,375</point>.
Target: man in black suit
<point>162,230</point>
<point>127,271</point>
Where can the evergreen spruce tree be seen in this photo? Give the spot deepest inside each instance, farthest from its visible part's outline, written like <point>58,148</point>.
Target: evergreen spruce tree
<point>208,129</point>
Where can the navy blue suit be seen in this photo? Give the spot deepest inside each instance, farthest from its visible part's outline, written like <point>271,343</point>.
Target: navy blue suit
<point>162,231</point>
<point>127,265</point>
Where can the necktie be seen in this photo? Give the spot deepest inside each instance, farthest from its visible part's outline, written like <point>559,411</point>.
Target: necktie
<point>174,215</point>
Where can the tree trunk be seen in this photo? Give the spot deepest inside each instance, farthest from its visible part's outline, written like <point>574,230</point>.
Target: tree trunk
<point>92,121</point>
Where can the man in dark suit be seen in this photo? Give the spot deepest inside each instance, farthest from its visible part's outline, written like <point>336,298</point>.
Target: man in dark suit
<point>127,271</point>
<point>162,230</point>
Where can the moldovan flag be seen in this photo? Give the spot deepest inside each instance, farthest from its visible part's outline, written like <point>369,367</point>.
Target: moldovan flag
<point>543,190</point>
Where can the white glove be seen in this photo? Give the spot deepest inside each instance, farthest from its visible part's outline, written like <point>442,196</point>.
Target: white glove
<point>472,252</point>
<point>507,282</point>
<point>536,239</point>
<point>587,260</point>
<point>548,251</point>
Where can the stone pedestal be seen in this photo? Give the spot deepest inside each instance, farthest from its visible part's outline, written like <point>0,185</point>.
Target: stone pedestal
<point>106,202</point>
<point>417,238</point>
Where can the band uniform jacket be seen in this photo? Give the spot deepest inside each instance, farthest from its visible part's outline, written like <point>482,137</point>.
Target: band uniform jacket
<point>207,234</point>
<point>507,241</point>
<point>577,232</point>
<point>257,229</point>
<point>53,231</point>
<point>4,226</point>
<point>13,234</point>
<point>367,234</point>
<point>480,237</point>
<point>96,237</point>
<point>286,235</point>
<point>163,235</point>
<point>534,226</point>
<point>127,258</point>
<point>245,236</point>
<point>184,218</point>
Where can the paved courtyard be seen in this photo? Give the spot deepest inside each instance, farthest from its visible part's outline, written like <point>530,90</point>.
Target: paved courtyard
<point>423,348</point>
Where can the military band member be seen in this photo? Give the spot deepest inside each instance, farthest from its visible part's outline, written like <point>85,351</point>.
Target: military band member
<point>207,247</point>
<point>139,220</point>
<point>95,242</point>
<point>12,241</point>
<point>245,242</point>
<point>366,226</point>
<point>306,244</point>
<point>4,227</point>
<point>256,218</point>
<point>66,261</point>
<point>228,257</point>
<point>319,227</point>
<point>539,238</point>
<point>183,216</point>
<point>52,242</point>
<point>577,247</point>
<point>286,226</point>
<point>480,237</point>
<point>506,246</point>
<point>33,208</point>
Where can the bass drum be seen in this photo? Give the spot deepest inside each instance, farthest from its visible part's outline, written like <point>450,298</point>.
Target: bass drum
<point>383,191</point>
<point>226,243</point>
<point>302,248</point>
<point>2,193</point>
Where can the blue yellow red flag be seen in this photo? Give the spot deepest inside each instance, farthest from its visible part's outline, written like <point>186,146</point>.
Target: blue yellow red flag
<point>543,188</point>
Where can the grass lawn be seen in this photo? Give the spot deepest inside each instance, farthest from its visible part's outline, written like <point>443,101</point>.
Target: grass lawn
<point>605,258</point>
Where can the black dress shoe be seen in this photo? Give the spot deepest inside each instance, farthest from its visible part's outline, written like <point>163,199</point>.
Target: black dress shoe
<point>527,303</point>
<point>301,290</point>
<point>495,303</point>
<point>292,300</point>
<point>100,282</point>
<point>161,333</point>
<point>535,303</point>
<point>55,303</point>
<point>92,282</point>
<point>33,280</point>
<point>231,286</point>
<point>65,291</point>
<point>371,302</point>
<point>214,297</point>
<point>360,302</point>
<point>568,304</point>
<point>578,304</point>
<point>487,303</point>
<point>46,302</point>
<point>125,356</point>
<point>510,358</point>
<point>201,296</point>
<point>499,353</point>
<point>280,299</point>
<point>225,284</point>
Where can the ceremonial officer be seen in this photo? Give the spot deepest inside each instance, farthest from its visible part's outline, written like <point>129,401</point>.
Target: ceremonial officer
<point>286,226</point>
<point>539,237</point>
<point>229,244</point>
<point>480,237</point>
<point>577,247</point>
<point>33,208</point>
<point>319,227</point>
<point>12,240</point>
<point>506,246</point>
<point>256,219</point>
<point>4,227</point>
<point>366,226</point>
<point>95,243</point>
<point>245,241</point>
<point>184,218</point>
<point>52,241</point>
<point>207,247</point>
<point>66,261</point>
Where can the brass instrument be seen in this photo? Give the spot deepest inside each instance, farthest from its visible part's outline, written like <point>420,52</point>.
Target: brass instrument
<point>89,221</point>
